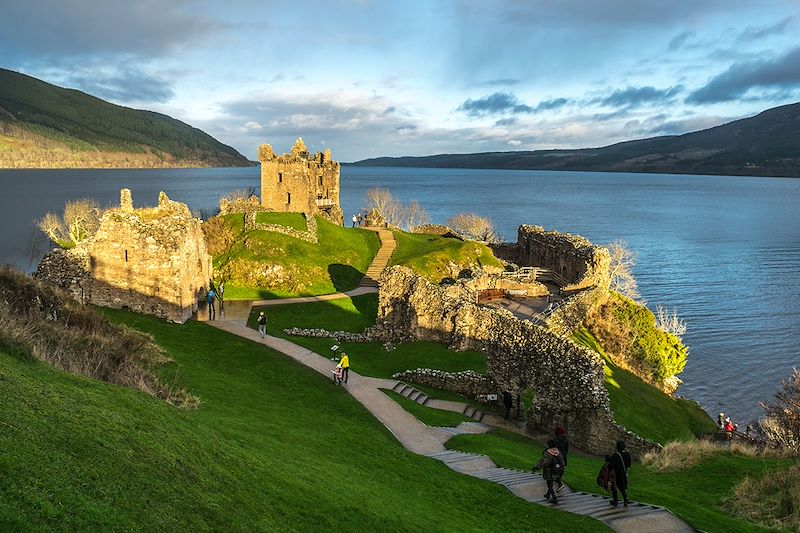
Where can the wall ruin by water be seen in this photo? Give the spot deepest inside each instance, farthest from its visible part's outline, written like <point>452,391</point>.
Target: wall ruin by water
<point>152,260</point>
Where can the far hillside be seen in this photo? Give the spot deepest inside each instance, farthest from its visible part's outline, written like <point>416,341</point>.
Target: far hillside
<point>767,144</point>
<point>45,126</point>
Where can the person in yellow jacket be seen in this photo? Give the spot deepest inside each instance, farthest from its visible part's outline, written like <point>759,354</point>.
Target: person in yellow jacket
<point>345,364</point>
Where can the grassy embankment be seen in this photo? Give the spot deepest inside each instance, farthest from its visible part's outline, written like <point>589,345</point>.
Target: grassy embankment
<point>438,258</point>
<point>273,447</point>
<point>265,264</point>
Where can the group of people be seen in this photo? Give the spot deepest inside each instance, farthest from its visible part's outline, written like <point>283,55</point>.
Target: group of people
<point>613,475</point>
<point>727,425</point>
<point>358,220</point>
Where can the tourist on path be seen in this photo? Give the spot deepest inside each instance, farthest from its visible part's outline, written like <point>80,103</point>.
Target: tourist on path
<point>345,364</point>
<point>619,462</point>
<point>211,301</point>
<point>355,220</point>
<point>262,324</point>
<point>562,442</point>
<point>552,465</point>
<point>337,374</point>
<point>360,218</point>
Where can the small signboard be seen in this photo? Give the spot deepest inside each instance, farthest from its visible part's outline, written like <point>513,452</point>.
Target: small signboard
<point>491,397</point>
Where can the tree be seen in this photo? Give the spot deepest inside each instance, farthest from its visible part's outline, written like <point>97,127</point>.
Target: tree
<point>621,270</point>
<point>780,426</point>
<point>80,221</point>
<point>384,203</point>
<point>414,215</point>
<point>669,322</point>
<point>474,227</point>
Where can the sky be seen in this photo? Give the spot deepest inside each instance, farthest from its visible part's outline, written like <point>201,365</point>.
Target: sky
<point>418,77</point>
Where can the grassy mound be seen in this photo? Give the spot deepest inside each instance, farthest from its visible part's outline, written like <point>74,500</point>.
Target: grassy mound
<point>264,264</point>
<point>645,410</point>
<point>367,358</point>
<point>438,258</point>
<point>697,494</point>
<point>275,447</point>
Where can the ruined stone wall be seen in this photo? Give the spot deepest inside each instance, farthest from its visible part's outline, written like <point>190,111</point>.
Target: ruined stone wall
<point>572,258</point>
<point>467,383</point>
<point>299,182</point>
<point>567,378</point>
<point>153,261</point>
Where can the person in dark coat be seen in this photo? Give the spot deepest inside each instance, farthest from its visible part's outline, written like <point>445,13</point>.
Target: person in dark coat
<point>562,443</point>
<point>552,467</point>
<point>508,403</point>
<point>620,462</point>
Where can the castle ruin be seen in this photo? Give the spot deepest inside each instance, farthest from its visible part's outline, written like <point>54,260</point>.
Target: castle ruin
<point>150,260</point>
<point>298,182</point>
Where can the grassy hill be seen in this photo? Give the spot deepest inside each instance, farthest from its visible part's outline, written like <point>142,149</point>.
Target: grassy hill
<point>273,447</point>
<point>45,126</point>
<point>767,144</point>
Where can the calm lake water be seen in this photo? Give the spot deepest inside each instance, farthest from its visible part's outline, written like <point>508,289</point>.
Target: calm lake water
<point>723,251</point>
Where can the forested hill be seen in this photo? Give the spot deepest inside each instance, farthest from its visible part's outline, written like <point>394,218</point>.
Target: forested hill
<point>767,144</point>
<point>44,126</point>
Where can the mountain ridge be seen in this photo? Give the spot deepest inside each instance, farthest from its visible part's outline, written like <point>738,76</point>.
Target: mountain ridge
<point>767,144</point>
<point>46,126</point>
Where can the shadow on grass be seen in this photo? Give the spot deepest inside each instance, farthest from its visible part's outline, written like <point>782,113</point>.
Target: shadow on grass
<point>344,277</point>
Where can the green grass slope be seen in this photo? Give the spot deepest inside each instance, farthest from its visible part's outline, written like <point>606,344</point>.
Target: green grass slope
<point>432,255</point>
<point>296,267</point>
<point>698,495</point>
<point>644,409</point>
<point>274,447</point>
<point>83,122</point>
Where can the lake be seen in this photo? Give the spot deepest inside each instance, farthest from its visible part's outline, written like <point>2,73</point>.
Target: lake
<point>723,251</point>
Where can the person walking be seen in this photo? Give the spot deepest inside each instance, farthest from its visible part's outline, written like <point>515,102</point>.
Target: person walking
<point>562,443</point>
<point>619,462</point>
<point>211,298</point>
<point>355,220</point>
<point>552,465</point>
<point>345,364</point>
<point>360,218</point>
<point>262,324</point>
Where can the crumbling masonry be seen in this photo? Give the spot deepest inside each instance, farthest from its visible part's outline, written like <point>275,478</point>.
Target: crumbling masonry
<point>153,261</point>
<point>298,182</point>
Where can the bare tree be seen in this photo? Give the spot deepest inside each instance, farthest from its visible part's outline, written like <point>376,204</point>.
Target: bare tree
<point>669,322</point>
<point>384,203</point>
<point>473,227</point>
<point>780,427</point>
<point>414,215</point>
<point>621,270</point>
<point>80,221</point>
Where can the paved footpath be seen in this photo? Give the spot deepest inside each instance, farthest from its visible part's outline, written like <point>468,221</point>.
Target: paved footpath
<point>429,441</point>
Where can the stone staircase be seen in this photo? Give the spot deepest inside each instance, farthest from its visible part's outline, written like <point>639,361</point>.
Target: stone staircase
<point>421,398</point>
<point>381,259</point>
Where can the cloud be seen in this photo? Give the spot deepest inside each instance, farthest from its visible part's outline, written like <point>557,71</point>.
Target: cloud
<point>35,32</point>
<point>494,104</point>
<point>638,96</point>
<point>781,73</point>
<point>501,82</point>
<point>680,40</point>
<point>759,33</point>
<point>514,142</point>
<point>506,103</point>
<point>506,121</point>
<point>126,85</point>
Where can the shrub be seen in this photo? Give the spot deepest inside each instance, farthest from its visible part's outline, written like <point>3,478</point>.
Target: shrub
<point>219,236</point>
<point>771,501</point>
<point>780,426</point>
<point>628,333</point>
<point>474,227</point>
<point>80,220</point>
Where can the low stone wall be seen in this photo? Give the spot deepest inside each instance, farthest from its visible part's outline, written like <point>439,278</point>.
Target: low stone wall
<point>241,205</point>
<point>467,383</point>
<point>567,378</point>
<point>570,257</point>
<point>437,229</point>
<point>571,313</point>
<point>368,335</point>
<point>310,235</point>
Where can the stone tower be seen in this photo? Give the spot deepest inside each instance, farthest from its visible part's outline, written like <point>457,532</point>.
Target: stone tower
<point>298,182</point>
